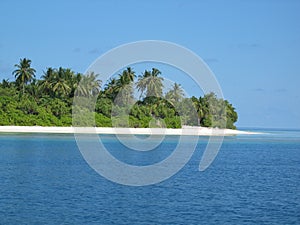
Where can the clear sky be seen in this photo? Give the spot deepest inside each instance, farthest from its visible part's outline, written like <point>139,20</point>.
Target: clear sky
<point>252,46</point>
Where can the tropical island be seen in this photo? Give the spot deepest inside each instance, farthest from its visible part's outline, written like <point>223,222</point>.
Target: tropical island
<point>48,101</point>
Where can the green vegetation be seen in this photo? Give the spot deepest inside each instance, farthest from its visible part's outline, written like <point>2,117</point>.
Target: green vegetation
<point>48,101</point>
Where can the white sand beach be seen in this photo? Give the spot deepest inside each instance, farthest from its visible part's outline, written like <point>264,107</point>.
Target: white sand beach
<point>187,130</point>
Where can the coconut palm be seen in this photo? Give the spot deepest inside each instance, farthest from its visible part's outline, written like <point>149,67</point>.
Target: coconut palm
<point>24,73</point>
<point>202,107</point>
<point>89,85</point>
<point>5,83</point>
<point>124,84</point>
<point>124,87</point>
<point>176,94</point>
<point>74,82</point>
<point>59,83</point>
<point>34,90</point>
<point>46,81</point>
<point>142,82</point>
<point>128,74</point>
<point>155,85</point>
<point>151,83</point>
<point>110,88</point>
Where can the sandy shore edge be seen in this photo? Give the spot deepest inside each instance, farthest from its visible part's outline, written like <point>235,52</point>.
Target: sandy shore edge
<point>196,131</point>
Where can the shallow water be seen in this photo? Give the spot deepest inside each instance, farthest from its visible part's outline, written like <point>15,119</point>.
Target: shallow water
<point>253,180</point>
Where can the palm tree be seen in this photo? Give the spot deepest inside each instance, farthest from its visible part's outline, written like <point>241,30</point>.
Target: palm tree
<point>124,87</point>
<point>202,108</point>
<point>34,90</point>
<point>59,83</point>
<point>176,94</point>
<point>47,80</point>
<point>24,73</point>
<point>142,82</point>
<point>89,85</point>
<point>121,87</point>
<point>155,85</point>
<point>151,83</point>
<point>74,83</point>
<point>128,74</point>
<point>110,88</point>
<point>5,83</point>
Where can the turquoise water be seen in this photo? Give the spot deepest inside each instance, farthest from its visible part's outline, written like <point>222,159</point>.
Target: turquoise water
<point>253,180</point>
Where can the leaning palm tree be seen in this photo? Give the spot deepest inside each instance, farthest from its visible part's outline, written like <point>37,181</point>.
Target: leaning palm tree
<point>24,73</point>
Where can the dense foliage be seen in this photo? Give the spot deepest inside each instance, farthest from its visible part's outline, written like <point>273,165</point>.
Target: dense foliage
<point>48,101</point>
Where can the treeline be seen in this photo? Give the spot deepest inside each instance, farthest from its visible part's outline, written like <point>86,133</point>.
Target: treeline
<point>48,101</point>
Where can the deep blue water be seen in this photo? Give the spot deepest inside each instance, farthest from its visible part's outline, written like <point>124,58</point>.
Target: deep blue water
<point>253,180</point>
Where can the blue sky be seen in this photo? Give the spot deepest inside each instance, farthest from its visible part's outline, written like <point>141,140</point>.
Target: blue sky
<point>253,47</point>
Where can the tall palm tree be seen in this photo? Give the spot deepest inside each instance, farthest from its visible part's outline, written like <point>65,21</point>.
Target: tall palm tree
<point>110,88</point>
<point>46,82</point>
<point>60,84</point>
<point>89,85</point>
<point>124,87</point>
<point>151,83</point>
<point>142,82</point>
<point>176,94</point>
<point>201,107</point>
<point>121,86</point>
<point>74,82</point>
<point>24,73</point>
<point>128,74</point>
<point>155,85</point>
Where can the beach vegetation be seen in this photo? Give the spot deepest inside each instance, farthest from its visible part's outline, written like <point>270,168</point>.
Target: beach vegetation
<point>126,100</point>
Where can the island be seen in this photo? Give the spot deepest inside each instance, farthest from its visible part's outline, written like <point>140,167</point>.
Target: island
<point>127,101</point>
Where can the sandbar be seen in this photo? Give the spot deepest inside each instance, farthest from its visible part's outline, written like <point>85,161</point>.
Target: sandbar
<point>185,130</point>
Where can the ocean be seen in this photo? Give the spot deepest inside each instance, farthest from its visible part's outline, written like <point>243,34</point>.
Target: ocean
<point>255,179</point>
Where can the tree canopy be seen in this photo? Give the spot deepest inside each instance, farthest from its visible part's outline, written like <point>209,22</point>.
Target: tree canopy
<point>23,73</point>
<point>48,101</point>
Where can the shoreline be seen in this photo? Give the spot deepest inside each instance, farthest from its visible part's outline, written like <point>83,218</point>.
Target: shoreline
<point>186,130</point>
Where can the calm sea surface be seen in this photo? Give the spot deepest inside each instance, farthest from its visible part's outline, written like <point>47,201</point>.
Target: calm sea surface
<point>253,180</point>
